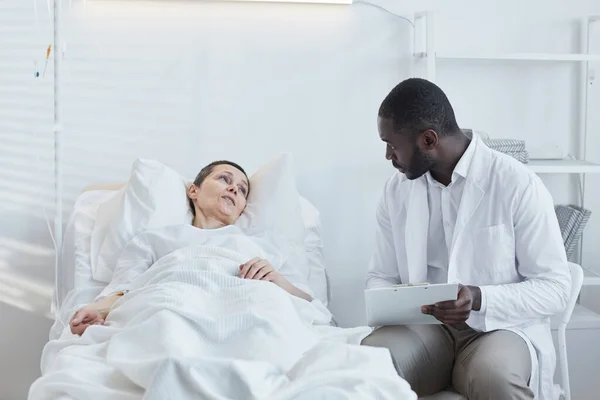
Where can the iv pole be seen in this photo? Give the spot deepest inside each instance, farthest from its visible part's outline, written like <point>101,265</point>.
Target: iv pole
<point>57,127</point>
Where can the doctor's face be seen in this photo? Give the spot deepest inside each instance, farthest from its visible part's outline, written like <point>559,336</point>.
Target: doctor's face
<point>403,150</point>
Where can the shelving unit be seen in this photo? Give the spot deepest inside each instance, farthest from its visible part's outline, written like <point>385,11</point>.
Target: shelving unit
<point>565,166</point>
<point>590,278</point>
<point>430,56</point>
<point>515,56</point>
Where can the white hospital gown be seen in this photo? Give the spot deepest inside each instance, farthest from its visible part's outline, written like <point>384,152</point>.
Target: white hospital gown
<point>148,247</point>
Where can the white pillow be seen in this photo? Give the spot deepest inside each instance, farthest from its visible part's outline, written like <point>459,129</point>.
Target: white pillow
<point>156,196</point>
<point>84,216</point>
<point>274,203</point>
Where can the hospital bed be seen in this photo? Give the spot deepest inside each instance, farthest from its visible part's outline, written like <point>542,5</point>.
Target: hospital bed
<point>196,316</point>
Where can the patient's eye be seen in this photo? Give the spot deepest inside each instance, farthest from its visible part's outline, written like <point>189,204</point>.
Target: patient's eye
<point>243,190</point>
<point>225,178</point>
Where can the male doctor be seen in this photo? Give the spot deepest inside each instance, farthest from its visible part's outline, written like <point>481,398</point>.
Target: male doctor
<point>458,211</point>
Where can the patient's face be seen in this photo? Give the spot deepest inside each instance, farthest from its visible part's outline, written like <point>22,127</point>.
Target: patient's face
<point>403,151</point>
<point>222,195</point>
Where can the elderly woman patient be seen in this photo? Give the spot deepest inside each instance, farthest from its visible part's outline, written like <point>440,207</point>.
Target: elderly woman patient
<point>217,198</point>
<point>201,310</point>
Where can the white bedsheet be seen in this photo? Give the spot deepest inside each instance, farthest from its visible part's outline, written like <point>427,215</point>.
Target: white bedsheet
<point>190,328</point>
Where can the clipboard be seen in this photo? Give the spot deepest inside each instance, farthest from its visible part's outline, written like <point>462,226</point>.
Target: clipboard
<point>401,304</point>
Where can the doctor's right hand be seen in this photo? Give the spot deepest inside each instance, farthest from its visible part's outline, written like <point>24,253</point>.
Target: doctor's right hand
<point>456,312</point>
<point>86,317</point>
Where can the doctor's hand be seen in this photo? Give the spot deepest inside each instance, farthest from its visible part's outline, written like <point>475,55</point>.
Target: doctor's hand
<point>455,312</point>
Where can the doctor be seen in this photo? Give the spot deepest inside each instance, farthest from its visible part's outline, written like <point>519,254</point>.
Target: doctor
<point>458,211</point>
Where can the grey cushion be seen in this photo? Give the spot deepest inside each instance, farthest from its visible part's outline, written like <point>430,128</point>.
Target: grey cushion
<point>572,220</point>
<point>522,156</point>
<point>505,145</point>
<point>511,147</point>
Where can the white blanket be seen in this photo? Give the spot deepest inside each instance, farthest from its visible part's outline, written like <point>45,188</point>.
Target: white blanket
<point>191,329</point>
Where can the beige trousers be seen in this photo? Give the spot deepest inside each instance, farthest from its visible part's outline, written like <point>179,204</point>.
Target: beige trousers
<point>494,365</point>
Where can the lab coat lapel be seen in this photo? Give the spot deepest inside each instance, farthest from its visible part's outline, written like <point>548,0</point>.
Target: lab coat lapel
<point>416,229</point>
<point>471,197</point>
<point>475,187</point>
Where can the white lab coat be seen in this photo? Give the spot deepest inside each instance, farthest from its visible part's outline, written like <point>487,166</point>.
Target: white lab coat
<point>506,240</point>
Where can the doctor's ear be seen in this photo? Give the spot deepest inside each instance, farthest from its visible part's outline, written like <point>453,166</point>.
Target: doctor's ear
<point>430,139</point>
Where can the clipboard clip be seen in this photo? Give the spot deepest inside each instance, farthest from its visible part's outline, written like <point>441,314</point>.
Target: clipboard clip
<point>411,284</point>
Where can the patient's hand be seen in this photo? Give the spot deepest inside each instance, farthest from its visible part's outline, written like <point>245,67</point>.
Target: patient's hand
<point>262,270</point>
<point>85,317</point>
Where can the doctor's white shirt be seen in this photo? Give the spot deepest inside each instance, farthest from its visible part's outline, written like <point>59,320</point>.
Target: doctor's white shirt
<point>444,202</point>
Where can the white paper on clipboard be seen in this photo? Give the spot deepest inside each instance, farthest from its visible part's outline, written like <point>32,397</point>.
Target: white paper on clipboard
<point>401,304</point>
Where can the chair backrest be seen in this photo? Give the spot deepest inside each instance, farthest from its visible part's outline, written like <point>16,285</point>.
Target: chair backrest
<point>576,283</point>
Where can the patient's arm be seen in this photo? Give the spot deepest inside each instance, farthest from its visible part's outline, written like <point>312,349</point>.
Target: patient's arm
<point>260,269</point>
<point>136,258</point>
<point>293,290</point>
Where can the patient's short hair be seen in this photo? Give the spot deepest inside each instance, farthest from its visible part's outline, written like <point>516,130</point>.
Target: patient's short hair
<point>207,170</point>
<point>416,105</point>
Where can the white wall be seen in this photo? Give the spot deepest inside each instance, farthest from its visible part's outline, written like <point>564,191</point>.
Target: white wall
<point>188,82</point>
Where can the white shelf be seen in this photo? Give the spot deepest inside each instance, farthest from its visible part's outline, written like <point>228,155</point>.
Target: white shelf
<point>590,278</point>
<point>582,318</point>
<point>516,56</point>
<point>562,166</point>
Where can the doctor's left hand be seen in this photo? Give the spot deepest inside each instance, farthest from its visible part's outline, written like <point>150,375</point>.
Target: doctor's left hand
<point>457,311</point>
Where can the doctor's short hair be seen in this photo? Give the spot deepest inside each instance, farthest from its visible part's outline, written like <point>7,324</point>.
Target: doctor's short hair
<point>207,170</point>
<point>416,105</point>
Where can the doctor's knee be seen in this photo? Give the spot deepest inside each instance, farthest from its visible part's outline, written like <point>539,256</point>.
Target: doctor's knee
<point>496,383</point>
